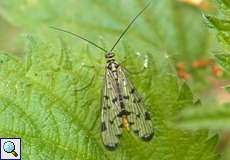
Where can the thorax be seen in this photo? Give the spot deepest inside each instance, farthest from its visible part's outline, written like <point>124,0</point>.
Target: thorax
<point>113,67</point>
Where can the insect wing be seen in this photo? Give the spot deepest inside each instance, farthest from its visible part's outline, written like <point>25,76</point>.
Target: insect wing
<point>139,118</point>
<point>111,124</point>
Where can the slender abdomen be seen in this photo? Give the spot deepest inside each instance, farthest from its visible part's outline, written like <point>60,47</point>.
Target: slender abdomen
<point>123,113</point>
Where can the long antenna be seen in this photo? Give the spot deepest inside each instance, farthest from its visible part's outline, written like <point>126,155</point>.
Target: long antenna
<point>130,24</point>
<point>80,37</point>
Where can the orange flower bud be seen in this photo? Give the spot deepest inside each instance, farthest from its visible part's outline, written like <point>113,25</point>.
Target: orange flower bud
<point>202,63</point>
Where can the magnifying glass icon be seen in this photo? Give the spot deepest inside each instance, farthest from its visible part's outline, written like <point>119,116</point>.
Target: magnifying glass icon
<point>9,147</point>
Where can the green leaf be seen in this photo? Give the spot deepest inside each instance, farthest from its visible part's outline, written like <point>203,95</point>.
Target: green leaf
<point>165,26</point>
<point>211,142</point>
<point>185,94</point>
<point>224,2</point>
<point>221,24</point>
<point>56,122</point>
<point>39,104</point>
<point>227,88</point>
<point>185,98</point>
<point>205,117</point>
<point>224,60</point>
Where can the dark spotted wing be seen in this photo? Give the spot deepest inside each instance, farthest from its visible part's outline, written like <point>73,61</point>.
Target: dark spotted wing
<point>139,118</point>
<point>111,124</point>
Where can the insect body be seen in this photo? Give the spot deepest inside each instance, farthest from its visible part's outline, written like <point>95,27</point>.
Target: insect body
<point>122,107</point>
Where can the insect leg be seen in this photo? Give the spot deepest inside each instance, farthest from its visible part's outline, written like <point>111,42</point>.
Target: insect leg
<point>136,72</point>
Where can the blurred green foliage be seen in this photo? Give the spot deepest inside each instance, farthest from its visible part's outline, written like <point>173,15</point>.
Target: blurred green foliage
<point>214,116</point>
<point>57,123</point>
<point>170,28</point>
